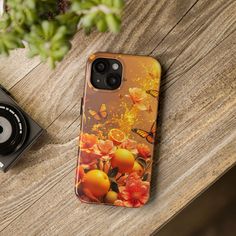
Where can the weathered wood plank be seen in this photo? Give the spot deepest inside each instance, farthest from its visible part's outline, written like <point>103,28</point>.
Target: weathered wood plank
<point>15,67</point>
<point>195,40</point>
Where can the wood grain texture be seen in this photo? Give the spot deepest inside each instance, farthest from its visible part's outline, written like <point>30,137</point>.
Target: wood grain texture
<point>195,42</point>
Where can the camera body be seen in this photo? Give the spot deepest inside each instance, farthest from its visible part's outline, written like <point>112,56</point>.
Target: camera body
<point>18,131</point>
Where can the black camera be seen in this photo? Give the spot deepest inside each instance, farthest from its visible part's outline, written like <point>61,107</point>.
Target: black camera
<point>17,130</point>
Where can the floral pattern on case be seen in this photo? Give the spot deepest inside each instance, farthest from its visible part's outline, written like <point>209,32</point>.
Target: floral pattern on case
<point>117,135</point>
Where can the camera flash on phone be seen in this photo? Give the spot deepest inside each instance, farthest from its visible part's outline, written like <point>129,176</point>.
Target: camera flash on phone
<point>115,66</point>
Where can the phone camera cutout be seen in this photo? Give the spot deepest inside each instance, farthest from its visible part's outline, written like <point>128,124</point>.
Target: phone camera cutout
<point>106,74</point>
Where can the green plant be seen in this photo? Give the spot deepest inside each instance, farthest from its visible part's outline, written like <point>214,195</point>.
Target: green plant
<point>46,27</point>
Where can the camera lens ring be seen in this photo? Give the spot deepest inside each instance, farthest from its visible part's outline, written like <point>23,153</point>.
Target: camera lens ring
<point>113,81</point>
<point>100,66</point>
<point>15,132</point>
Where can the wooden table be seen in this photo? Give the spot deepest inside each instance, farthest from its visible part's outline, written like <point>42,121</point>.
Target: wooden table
<point>195,40</point>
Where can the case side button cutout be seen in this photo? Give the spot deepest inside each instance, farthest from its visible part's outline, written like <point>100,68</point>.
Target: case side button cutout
<point>81,106</point>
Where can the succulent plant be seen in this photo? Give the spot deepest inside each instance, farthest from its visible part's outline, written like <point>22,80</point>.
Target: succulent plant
<point>46,27</point>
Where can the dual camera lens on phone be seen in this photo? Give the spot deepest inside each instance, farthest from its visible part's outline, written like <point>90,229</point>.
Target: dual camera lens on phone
<point>106,74</point>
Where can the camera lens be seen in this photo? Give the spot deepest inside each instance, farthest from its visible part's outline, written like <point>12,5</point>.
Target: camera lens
<point>5,133</point>
<point>13,129</point>
<point>113,81</point>
<point>100,66</point>
<point>1,129</point>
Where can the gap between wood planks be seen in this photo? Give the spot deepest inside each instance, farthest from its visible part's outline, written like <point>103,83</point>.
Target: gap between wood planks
<point>185,14</point>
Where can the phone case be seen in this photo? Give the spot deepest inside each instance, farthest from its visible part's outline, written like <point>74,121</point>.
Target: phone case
<point>117,135</point>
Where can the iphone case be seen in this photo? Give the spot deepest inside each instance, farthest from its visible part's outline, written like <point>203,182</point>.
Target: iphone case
<point>117,135</point>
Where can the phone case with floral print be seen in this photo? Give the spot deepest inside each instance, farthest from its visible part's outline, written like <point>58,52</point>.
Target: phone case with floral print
<point>118,134</point>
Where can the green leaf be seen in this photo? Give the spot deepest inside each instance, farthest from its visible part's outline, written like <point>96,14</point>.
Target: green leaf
<point>113,23</point>
<point>108,2</point>
<point>113,172</point>
<point>102,25</point>
<point>48,29</point>
<point>114,187</point>
<point>89,20</point>
<point>118,3</point>
<point>142,162</point>
<point>145,177</point>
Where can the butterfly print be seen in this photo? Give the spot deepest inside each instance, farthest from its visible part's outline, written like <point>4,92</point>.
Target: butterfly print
<point>149,136</point>
<point>154,93</point>
<point>101,114</point>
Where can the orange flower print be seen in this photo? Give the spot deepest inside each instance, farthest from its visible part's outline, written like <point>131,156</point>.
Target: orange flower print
<point>138,97</point>
<point>144,150</point>
<point>89,157</point>
<point>119,203</point>
<point>135,193</point>
<point>121,179</point>
<point>106,166</point>
<point>88,140</point>
<point>106,147</point>
<point>130,145</point>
